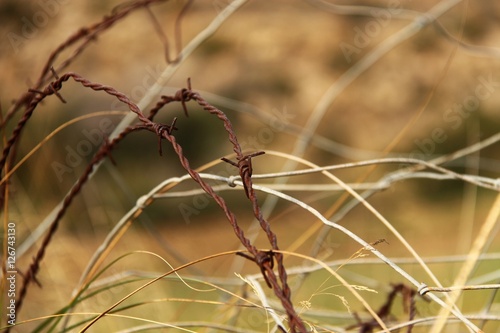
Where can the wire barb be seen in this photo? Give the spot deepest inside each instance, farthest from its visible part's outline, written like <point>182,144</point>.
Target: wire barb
<point>244,164</point>
<point>160,128</point>
<point>108,146</point>
<point>384,312</point>
<point>185,95</point>
<point>262,259</point>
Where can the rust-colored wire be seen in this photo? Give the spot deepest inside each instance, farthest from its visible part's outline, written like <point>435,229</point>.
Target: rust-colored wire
<point>37,93</point>
<point>264,259</point>
<point>384,312</point>
<point>177,32</point>
<point>84,36</point>
<point>81,39</point>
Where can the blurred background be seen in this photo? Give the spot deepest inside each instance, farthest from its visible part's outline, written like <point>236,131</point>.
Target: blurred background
<point>272,67</point>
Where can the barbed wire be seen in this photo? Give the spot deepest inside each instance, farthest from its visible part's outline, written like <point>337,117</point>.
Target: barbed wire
<point>264,259</point>
<point>50,83</point>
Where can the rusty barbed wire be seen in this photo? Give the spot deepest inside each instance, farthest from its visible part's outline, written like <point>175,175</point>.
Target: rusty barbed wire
<point>408,294</point>
<point>264,259</point>
<point>36,94</point>
<point>177,32</point>
<point>84,35</point>
<point>50,83</point>
<point>104,150</point>
<point>53,89</point>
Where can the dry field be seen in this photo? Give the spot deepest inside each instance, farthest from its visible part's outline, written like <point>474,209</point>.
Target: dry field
<point>381,174</point>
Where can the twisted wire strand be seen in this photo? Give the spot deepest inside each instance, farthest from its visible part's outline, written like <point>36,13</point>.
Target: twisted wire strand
<point>86,35</point>
<point>263,259</point>
<point>104,150</point>
<point>34,267</point>
<point>36,94</point>
<point>283,292</point>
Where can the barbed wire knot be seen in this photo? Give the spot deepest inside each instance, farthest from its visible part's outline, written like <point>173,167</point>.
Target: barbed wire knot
<point>185,95</point>
<point>52,89</point>
<point>262,259</point>
<point>161,128</point>
<point>244,164</point>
